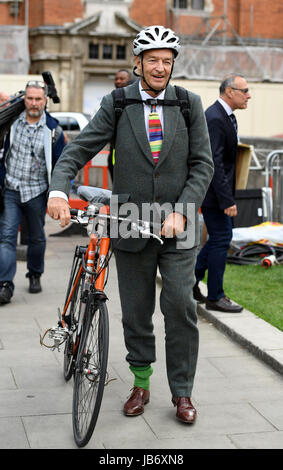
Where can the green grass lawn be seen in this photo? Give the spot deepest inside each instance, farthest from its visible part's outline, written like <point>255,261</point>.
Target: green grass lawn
<point>257,289</point>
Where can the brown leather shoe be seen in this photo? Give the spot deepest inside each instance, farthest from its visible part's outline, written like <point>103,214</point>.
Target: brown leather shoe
<point>186,412</point>
<point>134,406</point>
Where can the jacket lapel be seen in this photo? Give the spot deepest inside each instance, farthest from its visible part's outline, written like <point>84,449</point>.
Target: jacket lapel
<point>171,116</point>
<point>227,120</point>
<point>135,114</point>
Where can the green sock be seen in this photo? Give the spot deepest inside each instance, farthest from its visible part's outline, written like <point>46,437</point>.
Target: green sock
<point>142,375</point>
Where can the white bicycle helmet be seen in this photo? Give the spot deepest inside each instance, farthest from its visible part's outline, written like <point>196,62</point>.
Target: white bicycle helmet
<point>156,37</point>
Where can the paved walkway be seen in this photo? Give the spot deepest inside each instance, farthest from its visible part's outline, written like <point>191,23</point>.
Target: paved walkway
<point>238,396</point>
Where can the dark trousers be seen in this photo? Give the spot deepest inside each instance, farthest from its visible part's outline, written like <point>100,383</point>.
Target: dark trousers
<point>137,287</point>
<point>10,220</point>
<point>212,256</point>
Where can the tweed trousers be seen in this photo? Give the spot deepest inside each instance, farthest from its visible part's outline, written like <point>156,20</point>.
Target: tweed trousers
<point>137,286</point>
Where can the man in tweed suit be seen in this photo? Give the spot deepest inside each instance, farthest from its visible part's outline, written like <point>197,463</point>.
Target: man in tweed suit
<point>180,179</point>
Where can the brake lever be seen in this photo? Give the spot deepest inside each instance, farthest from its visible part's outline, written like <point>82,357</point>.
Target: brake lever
<point>153,236</point>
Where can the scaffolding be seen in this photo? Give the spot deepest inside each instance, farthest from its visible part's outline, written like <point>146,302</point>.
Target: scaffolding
<point>215,56</point>
<point>215,62</point>
<point>14,51</point>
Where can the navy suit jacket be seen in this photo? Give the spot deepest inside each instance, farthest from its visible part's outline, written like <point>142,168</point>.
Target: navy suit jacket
<point>224,143</point>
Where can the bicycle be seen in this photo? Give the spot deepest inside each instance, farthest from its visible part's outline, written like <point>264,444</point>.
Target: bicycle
<point>84,323</point>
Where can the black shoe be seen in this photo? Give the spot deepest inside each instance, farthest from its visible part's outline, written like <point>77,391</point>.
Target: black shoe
<point>223,305</point>
<point>5,293</point>
<point>34,284</point>
<point>198,295</point>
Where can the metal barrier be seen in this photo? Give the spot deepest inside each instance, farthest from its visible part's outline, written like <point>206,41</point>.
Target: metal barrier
<point>98,162</point>
<point>274,180</point>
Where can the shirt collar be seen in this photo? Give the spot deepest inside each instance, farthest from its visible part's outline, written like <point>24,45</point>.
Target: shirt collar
<point>225,106</point>
<point>146,96</point>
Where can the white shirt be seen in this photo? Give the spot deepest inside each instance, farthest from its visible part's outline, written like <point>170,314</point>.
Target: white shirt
<point>147,109</point>
<point>226,106</point>
<point>228,110</point>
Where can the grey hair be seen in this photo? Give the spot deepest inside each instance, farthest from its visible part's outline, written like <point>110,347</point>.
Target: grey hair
<point>228,82</point>
<point>37,84</point>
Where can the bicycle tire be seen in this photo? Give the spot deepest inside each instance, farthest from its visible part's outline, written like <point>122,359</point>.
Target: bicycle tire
<point>69,358</point>
<point>90,371</point>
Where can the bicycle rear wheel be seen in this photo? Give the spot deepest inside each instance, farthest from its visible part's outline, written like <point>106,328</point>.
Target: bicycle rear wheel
<point>90,373</point>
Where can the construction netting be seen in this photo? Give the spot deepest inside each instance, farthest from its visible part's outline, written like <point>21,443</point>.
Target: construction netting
<point>214,62</point>
<point>14,52</point>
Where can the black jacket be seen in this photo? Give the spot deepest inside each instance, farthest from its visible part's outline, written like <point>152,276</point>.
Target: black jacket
<point>224,143</point>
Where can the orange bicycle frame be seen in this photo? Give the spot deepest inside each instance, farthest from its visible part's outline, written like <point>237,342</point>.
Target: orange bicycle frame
<point>104,243</point>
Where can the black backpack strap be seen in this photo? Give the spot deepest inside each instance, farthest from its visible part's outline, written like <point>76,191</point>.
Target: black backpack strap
<point>120,102</point>
<point>119,105</point>
<point>184,103</point>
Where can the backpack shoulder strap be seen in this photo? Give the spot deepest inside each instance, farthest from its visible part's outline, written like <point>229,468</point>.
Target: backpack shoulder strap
<point>184,103</point>
<point>119,101</point>
<point>119,105</point>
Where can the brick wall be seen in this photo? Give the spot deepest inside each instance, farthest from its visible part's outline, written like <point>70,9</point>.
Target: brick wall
<point>262,18</point>
<point>255,18</point>
<point>149,12</point>
<point>44,12</point>
<point>54,12</point>
<point>7,19</point>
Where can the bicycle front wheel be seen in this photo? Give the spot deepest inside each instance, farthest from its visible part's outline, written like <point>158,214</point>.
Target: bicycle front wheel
<point>90,373</point>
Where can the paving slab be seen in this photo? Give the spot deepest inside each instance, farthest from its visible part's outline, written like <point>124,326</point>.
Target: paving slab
<point>237,392</point>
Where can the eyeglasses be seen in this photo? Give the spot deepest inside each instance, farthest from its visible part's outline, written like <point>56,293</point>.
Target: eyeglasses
<point>243,90</point>
<point>36,84</point>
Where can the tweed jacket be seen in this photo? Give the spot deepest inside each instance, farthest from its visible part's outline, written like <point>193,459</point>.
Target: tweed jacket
<point>185,165</point>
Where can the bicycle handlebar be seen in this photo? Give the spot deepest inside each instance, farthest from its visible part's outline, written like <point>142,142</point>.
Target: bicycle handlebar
<point>84,217</point>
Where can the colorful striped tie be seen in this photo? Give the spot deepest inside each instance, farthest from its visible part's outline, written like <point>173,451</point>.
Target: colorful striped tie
<point>155,134</point>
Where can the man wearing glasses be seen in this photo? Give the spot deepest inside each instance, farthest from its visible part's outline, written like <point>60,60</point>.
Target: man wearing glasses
<point>31,149</point>
<point>219,205</point>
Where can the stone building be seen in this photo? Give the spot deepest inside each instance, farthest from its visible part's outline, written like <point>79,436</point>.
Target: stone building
<point>84,56</point>
<point>84,42</point>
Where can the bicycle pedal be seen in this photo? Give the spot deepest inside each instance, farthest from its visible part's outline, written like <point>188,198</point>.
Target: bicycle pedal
<point>57,334</point>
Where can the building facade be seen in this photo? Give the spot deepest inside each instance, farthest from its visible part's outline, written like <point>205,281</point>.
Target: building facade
<point>84,42</point>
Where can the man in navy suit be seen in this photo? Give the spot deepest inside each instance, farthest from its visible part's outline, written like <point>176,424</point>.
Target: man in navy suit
<point>219,205</point>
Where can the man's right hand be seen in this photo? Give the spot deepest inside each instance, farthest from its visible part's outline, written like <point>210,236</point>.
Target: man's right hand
<point>58,208</point>
<point>231,211</point>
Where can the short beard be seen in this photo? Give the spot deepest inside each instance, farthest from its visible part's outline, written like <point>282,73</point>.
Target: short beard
<point>34,113</point>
